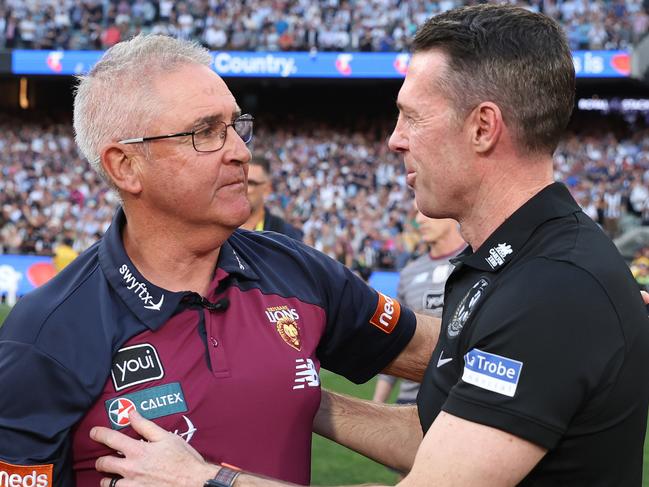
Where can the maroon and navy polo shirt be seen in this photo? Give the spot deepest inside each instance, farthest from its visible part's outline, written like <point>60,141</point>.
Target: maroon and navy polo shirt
<point>235,373</point>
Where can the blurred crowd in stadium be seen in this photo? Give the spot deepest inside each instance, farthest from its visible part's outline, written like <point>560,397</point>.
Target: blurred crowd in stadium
<point>299,25</point>
<point>345,189</point>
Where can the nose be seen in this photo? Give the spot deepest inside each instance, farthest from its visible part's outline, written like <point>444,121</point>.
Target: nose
<point>235,149</point>
<point>398,142</point>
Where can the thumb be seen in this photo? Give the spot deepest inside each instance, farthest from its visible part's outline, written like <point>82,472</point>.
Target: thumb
<point>147,429</point>
<point>645,296</point>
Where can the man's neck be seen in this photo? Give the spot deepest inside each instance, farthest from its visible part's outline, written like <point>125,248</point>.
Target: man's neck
<point>498,197</point>
<point>172,256</point>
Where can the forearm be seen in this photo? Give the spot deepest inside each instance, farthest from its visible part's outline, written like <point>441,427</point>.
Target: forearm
<point>413,360</point>
<point>388,434</point>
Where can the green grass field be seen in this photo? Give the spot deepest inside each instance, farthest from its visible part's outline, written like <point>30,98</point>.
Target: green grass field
<point>335,465</point>
<point>4,311</point>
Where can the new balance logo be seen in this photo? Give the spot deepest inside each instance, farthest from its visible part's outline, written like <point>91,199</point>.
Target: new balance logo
<point>139,288</point>
<point>305,374</point>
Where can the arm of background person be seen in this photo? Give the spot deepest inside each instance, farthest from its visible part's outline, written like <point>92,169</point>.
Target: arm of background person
<point>411,363</point>
<point>383,389</point>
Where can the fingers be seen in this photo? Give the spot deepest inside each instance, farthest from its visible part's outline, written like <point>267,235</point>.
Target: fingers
<point>147,429</point>
<point>645,296</point>
<point>105,482</point>
<point>113,439</point>
<point>110,464</point>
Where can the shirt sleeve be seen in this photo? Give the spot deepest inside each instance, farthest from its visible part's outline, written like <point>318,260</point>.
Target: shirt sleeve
<point>40,402</point>
<point>365,330</point>
<point>544,342</point>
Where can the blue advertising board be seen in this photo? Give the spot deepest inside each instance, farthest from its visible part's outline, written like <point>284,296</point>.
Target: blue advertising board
<point>24,273</point>
<point>385,281</point>
<point>27,272</point>
<point>341,65</point>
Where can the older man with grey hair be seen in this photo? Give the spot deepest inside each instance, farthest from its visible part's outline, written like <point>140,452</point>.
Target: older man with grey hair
<point>215,334</point>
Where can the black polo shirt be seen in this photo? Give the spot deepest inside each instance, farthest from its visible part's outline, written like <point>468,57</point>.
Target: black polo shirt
<point>544,336</point>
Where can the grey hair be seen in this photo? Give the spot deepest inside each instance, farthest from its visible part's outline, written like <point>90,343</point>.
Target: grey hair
<point>116,99</point>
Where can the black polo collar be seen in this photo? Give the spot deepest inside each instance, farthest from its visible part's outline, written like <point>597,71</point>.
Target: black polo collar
<point>553,201</point>
<point>152,305</point>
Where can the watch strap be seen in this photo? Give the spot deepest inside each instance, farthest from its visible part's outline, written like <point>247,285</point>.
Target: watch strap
<point>225,477</point>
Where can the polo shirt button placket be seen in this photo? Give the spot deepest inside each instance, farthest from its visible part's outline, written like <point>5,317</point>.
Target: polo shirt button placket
<point>217,353</point>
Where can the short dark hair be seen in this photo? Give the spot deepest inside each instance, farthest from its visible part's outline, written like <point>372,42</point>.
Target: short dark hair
<point>261,161</point>
<point>518,59</point>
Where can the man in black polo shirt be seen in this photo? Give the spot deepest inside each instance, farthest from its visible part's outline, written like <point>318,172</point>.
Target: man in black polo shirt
<point>539,376</point>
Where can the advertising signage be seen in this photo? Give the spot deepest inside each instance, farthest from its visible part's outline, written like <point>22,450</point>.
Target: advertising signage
<point>339,65</point>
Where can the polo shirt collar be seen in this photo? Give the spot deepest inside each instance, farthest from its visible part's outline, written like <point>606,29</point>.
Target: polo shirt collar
<point>152,305</point>
<point>231,261</point>
<point>553,201</point>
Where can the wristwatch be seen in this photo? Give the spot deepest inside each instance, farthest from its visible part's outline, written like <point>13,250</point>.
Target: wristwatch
<point>225,477</point>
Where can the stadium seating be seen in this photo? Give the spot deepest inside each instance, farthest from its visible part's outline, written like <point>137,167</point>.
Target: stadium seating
<point>346,190</point>
<point>290,25</point>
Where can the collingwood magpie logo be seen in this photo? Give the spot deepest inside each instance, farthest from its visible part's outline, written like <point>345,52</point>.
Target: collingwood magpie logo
<point>497,255</point>
<point>140,290</point>
<point>466,306</point>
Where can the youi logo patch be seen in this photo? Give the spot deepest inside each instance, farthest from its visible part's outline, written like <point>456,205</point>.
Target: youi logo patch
<point>134,365</point>
<point>492,372</point>
<point>140,290</point>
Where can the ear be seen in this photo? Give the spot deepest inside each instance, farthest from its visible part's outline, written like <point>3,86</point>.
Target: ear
<point>122,167</point>
<point>486,127</point>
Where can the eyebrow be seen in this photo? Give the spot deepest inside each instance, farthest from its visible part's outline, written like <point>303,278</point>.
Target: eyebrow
<point>208,119</point>
<point>404,109</point>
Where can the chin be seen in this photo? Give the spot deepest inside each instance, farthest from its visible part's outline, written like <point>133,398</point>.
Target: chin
<point>237,216</point>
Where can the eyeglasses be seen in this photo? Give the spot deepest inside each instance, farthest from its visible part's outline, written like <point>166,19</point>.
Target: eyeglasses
<point>209,137</point>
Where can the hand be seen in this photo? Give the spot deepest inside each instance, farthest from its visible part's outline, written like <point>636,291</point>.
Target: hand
<point>645,297</point>
<point>164,459</point>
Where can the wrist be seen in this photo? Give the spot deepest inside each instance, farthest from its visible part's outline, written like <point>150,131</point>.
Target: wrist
<point>225,476</point>
<point>207,471</point>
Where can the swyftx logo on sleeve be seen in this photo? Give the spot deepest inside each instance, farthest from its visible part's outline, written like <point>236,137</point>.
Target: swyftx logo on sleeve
<point>492,372</point>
